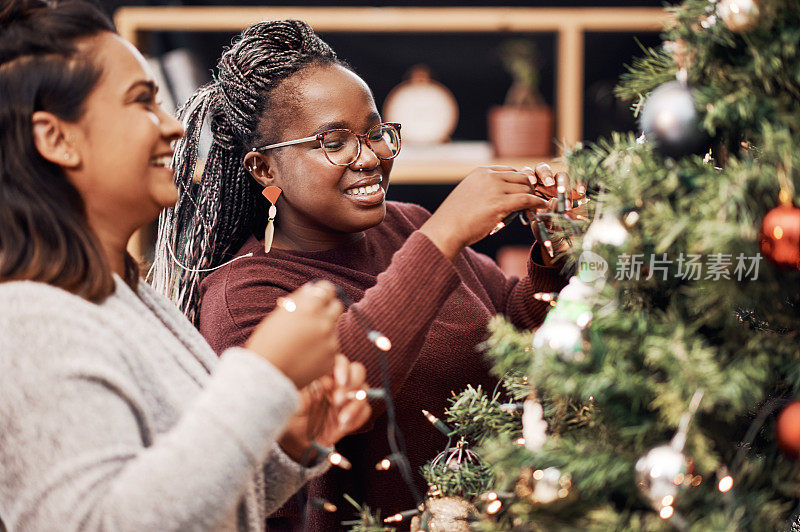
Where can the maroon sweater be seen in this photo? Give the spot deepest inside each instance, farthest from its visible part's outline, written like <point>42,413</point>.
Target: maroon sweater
<point>434,311</point>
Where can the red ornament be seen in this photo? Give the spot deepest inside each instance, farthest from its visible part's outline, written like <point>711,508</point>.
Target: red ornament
<point>779,238</point>
<point>787,429</point>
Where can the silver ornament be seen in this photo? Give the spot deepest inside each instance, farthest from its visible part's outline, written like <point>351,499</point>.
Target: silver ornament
<point>606,230</point>
<point>660,474</point>
<point>455,457</point>
<point>670,120</point>
<point>738,15</point>
<point>562,336</point>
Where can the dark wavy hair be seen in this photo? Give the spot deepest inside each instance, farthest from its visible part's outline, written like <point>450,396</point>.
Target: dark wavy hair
<point>215,215</point>
<point>45,236</point>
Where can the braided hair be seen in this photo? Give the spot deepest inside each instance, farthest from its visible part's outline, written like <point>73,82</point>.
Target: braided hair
<point>217,213</point>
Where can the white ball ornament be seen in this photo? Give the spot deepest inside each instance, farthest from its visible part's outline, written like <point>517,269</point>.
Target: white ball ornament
<point>659,475</point>
<point>738,15</point>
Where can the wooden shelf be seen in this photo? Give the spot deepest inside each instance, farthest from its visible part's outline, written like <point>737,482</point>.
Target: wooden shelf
<point>569,24</point>
<point>437,172</point>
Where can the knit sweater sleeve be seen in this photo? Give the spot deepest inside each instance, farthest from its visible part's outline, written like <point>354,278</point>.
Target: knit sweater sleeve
<point>402,305</point>
<point>513,296</point>
<point>73,449</point>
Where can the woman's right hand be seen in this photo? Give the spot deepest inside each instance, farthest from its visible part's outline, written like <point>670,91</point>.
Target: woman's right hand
<point>299,337</point>
<point>480,201</point>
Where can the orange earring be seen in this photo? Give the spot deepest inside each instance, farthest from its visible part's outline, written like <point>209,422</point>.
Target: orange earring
<point>271,193</point>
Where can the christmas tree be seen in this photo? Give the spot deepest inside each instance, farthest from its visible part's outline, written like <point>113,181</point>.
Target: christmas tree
<point>658,392</point>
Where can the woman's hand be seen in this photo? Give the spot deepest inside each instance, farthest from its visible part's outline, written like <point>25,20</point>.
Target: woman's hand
<point>299,337</point>
<point>482,200</point>
<point>328,410</point>
<point>546,184</point>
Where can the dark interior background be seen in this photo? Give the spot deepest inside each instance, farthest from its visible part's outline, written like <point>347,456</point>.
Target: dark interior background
<point>467,63</point>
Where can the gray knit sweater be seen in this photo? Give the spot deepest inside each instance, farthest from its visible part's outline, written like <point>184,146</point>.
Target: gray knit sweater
<point>119,417</point>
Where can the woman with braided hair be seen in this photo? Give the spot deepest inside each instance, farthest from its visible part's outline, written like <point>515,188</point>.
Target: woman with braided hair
<point>115,414</point>
<point>294,124</point>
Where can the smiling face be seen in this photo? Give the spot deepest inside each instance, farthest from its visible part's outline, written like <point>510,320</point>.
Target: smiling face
<point>123,142</point>
<point>322,202</point>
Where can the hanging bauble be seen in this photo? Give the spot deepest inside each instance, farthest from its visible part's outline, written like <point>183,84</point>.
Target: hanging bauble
<point>670,120</point>
<point>787,430</point>
<point>607,229</point>
<point>447,514</point>
<point>574,302</point>
<point>543,485</point>
<point>779,238</point>
<point>562,336</point>
<point>534,427</point>
<point>454,458</point>
<point>659,475</point>
<point>738,15</point>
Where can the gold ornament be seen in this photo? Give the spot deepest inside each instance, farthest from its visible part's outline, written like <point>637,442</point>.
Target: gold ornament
<point>738,15</point>
<point>448,514</point>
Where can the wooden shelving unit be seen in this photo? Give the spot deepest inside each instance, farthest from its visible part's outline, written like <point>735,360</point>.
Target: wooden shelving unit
<point>569,24</point>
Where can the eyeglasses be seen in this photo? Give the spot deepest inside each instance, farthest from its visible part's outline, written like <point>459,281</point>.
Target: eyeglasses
<point>342,147</point>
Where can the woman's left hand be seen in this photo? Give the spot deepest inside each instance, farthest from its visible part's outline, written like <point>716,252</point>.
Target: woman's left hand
<point>328,412</point>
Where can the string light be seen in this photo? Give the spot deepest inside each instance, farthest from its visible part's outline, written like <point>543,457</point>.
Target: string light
<point>380,341</point>
<point>494,507</point>
<point>549,247</point>
<point>520,441</point>
<point>497,227</point>
<point>360,395</point>
<point>393,432</point>
<point>548,297</point>
<point>561,192</point>
<point>631,218</point>
<point>323,505</point>
<point>339,461</point>
<point>666,512</point>
<point>438,423</point>
<point>388,462</point>
<point>401,516</point>
<point>544,237</point>
<point>725,484</point>
<point>370,393</point>
<point>334,457</point>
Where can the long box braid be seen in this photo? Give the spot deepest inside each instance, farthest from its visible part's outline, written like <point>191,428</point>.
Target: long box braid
<point>216,214</point>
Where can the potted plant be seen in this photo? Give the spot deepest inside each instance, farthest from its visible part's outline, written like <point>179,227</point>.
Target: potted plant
<point>523,125</point>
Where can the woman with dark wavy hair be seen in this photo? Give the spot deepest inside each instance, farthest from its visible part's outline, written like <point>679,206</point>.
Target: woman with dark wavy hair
<point>114,412</point>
